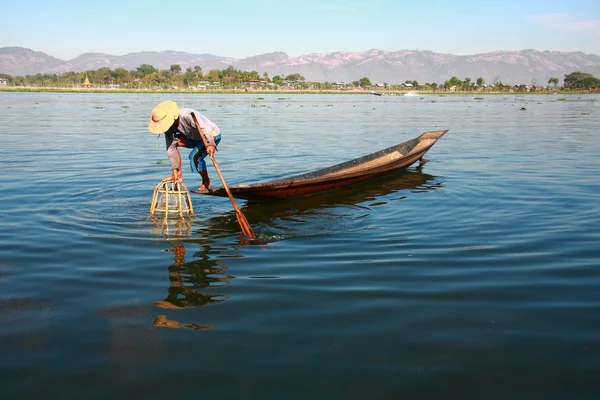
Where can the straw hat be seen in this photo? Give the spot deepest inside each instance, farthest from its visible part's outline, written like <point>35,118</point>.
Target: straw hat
<point>163,116</point>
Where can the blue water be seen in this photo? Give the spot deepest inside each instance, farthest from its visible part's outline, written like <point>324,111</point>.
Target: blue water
<point>476,277</point>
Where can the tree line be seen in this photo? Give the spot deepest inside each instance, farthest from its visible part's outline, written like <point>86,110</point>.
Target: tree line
<point>148,77</point>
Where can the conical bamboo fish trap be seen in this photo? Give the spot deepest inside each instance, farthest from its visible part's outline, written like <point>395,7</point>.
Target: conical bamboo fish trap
<point>171,199</point>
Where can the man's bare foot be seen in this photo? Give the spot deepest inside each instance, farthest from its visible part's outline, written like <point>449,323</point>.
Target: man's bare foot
<point>202,189</point>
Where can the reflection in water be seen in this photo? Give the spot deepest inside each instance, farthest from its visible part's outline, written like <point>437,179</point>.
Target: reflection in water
<point>163,321</point>
<point>171,227</point>
<point>188,278</point>
<point>314,209</point>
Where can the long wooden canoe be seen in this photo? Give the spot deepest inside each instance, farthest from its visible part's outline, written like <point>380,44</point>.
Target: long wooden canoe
<point>358,170</point>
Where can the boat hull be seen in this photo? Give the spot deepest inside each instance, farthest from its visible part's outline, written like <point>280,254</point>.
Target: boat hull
<point>348,173</point>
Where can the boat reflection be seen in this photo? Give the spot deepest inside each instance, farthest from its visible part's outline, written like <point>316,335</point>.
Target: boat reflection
<point>267,214</point>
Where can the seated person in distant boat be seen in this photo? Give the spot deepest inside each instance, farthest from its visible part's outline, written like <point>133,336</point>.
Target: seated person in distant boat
<point>180,131</point>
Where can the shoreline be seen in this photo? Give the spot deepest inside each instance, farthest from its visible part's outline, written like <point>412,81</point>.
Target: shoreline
<point>287,92</point>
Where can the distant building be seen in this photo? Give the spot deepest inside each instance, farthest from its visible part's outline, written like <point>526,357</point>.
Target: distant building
<point>86,83</point>
<point>3,81</point>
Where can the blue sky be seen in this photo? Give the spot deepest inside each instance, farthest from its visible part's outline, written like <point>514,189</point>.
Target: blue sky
<point>235,28</point>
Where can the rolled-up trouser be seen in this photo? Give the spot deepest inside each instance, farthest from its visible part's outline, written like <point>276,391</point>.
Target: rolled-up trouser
<point>198,154</point>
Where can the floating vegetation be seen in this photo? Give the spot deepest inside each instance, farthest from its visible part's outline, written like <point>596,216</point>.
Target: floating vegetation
<point>433,101</point>
<point>281,98</point>
<point>584,113</point>
<point>591,99</point>
<point>124,106</point>
<point>561,99</point>
<point>159,162</point>
<point>253,105</point>
<point>98,107</point>
<point>260,98</point>
<point>202,109</point>
<point>329,105</point>
<point>522,109</point>
<point>478,98</point>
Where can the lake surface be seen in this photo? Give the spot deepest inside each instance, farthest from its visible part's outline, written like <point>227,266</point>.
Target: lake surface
<point>477,277</point>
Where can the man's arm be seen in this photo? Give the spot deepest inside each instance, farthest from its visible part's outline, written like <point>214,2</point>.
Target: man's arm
<point>174,160</point>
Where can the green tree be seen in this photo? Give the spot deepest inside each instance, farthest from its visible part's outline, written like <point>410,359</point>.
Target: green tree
<point>121,75</point>
<point>175,69</point>
<point>213,75</point>
<point>480,82</point>
<point>294,77</point>
<point>553,82</point>
<point>466,84</point>
<point>145,69</point>
<point>572,78</point>
<point>454,81</point>
<point>230,73</point>
<point>581,80</point>
<point>364,82</point>
<point>190,78</point>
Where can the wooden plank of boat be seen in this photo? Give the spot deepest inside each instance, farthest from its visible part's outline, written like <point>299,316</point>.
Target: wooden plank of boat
<point>358,170</point>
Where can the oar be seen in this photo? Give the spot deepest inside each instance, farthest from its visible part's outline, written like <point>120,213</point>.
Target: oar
<point>246,230</point>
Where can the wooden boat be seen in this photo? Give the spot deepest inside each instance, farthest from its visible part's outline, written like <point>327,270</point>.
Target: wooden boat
<point>358,170</point>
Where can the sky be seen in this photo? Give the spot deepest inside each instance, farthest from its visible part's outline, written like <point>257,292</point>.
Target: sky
<point>243,28</point>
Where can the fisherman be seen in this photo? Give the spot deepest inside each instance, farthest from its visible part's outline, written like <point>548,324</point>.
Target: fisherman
<point>180,131</point>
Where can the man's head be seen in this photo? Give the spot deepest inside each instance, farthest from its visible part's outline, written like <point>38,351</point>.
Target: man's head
<point>163,116</point>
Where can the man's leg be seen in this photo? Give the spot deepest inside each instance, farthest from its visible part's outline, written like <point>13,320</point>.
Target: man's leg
<point>205,180</point>
<point>201,168</point>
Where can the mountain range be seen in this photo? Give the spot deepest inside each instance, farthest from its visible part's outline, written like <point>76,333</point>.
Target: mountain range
<point>514,67</point>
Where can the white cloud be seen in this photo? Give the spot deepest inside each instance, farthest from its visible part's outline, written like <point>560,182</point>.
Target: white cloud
<point>568,22</point>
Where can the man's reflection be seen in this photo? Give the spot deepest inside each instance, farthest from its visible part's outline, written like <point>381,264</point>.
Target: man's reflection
<point>191,283</point>
<point>188,278</point>
<point>164,322</point>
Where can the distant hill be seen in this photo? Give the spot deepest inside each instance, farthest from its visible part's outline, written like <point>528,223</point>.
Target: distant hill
<point>514,67</point>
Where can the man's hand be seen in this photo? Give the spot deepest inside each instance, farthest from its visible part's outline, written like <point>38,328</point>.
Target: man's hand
<point>176,177</point>
<point>210,150</point>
